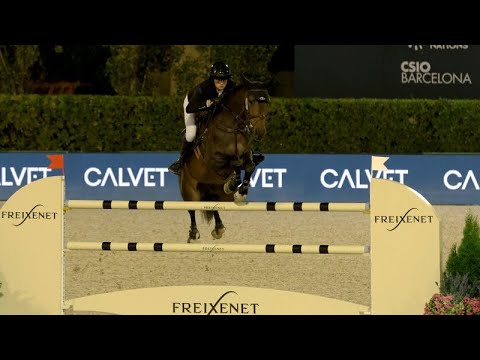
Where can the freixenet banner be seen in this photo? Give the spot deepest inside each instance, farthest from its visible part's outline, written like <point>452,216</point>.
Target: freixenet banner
<point>387,71</point>
<point>441,179</point>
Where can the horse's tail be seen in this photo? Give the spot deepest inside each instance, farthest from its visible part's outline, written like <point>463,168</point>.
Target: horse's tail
<point>207,216</point>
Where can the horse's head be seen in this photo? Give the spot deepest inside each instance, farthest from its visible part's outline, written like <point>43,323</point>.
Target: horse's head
<point>249,103</point>
<point>257,106</point>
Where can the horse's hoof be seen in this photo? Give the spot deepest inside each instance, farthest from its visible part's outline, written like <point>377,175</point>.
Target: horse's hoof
<point>193,235</point>
<point>218,233</point>
<point>237,197</point>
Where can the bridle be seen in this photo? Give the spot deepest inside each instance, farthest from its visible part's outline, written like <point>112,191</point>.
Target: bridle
<point>245,121</point>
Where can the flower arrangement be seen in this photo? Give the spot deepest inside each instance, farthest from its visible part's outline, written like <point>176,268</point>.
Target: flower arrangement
<point>446,305</point>
<point>459,288</point>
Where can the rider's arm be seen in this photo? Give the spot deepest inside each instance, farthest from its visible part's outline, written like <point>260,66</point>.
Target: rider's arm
<point>197,102</point>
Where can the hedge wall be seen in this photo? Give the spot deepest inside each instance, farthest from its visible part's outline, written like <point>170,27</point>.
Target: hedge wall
<point>116,123</point>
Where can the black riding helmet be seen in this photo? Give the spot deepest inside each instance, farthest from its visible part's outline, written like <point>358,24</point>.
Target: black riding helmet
<point>220,70</point>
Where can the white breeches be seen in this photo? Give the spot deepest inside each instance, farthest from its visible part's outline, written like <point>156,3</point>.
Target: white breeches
<point>190,127</point>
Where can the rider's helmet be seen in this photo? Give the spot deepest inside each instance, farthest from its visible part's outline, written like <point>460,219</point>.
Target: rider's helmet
<point>220,70</point>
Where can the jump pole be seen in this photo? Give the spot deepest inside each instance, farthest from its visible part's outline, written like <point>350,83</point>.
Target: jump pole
<point>219,206</point>
<point>226,248</point>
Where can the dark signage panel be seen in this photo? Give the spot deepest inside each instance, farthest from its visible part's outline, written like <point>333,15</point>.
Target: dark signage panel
<point>387,71</point>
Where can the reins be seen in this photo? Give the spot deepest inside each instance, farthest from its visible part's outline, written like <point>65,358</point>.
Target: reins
<point>243,129</point>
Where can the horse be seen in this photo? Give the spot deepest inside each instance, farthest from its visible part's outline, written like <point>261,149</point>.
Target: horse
<point>223,148</point>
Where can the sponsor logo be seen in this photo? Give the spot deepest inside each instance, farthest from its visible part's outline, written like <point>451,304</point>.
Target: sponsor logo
<point>420,72</point>
<point>455,180</point>
<point>214,207</point>
<point>268,178</point>
<point>358,178</point>
<point>125,177</point>
<point>220,306</point>
<point>438,47</point>
<point>416,47</point>
<point>411,216</point>
<point>152,177</point>
<point>20,217</point>
<point>9,176</point>
<point>212,248</point>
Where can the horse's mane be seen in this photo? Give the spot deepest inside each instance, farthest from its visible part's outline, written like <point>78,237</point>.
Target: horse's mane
<point>229,97</point>
<point>249,86</point>
<point>232,92</point>
<point>240,87</point>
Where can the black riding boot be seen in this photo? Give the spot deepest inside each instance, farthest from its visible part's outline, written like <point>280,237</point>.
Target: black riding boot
<point>187,149</point>
<point>257,157</point>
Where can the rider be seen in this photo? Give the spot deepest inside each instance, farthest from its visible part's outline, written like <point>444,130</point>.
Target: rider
<point>201,98</point>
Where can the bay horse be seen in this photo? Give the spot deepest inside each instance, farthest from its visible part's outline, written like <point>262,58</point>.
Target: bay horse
<point>223,148</point>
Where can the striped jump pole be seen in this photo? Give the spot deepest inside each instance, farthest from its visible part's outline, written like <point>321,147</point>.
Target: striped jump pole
<point>225,248</point>
<point>219,206</point>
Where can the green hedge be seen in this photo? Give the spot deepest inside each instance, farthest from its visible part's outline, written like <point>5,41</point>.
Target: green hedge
<point>89,123</point>
<point>117,123</point>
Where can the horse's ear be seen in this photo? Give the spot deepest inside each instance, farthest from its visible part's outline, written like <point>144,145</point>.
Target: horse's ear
<point>246,80</point>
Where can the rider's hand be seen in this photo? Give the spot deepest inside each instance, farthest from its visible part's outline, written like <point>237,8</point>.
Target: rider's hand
<point>214,101</point>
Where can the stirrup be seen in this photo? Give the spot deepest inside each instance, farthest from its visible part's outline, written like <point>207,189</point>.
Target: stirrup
<point>257,158</point>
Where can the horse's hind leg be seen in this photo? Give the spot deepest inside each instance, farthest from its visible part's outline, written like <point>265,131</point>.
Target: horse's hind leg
<point>193,234</point>
<point>219,230</point>
<point>189,191</point>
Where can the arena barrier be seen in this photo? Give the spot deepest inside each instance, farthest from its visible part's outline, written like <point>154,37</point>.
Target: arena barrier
<point>404,251</point>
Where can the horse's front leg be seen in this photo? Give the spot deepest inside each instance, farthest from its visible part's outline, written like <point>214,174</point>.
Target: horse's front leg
<point>243,189</point>
<point>235,180</point>
<point>193,234</point>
